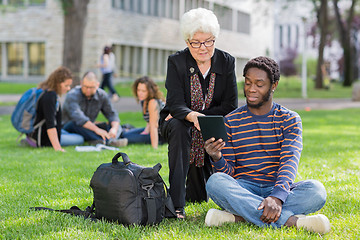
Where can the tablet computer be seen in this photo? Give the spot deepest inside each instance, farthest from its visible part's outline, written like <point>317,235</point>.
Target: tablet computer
<point>213,126</point>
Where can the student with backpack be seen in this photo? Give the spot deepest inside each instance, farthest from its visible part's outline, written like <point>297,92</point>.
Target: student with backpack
<point>48,108</point>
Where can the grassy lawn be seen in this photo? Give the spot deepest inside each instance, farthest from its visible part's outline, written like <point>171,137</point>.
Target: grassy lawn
<point>42,177</point>
<point>289,87</point>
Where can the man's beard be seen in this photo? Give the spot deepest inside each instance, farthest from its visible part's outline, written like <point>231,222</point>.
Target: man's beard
<point>263,100</point>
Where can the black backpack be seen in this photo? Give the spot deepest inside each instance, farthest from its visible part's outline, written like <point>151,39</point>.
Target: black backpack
<point>127,193</point>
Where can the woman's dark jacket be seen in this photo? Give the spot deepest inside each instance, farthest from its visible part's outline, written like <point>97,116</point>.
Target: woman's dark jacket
<point>181,66</point>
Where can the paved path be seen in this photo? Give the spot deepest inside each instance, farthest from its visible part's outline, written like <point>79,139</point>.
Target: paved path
<point>128,104</point>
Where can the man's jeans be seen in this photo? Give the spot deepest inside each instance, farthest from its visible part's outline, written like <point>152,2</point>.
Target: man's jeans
<point>242,198</point>
<point>70,139</point>
<point>88,135</point>
<point>134,136</point>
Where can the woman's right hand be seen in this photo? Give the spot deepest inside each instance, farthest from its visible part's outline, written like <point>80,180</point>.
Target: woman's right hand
<point>193,117</point>
<point>168,117</point>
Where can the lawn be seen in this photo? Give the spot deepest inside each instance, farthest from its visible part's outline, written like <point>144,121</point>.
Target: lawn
<point>289,87</point>
<point>42,177</point>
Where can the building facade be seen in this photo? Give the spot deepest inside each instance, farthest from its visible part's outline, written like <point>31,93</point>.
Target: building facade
<point>143,33</point>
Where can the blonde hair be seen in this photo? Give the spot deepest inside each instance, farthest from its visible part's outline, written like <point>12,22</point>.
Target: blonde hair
<point>199,20</point>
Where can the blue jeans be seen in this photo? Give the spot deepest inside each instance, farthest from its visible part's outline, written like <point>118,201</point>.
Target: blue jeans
<point>242,198</point>
<point>134,136</point>
<point>88,135</point>
<point>107,82</point>
<point>70,139</point>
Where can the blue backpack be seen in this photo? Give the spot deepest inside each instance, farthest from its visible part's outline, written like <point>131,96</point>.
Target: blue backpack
<point>24,115</point>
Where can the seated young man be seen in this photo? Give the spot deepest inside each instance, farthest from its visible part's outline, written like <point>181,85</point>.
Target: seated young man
<point>256,168</point>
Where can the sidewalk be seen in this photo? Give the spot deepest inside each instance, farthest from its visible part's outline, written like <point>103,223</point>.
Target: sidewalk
<point>128,104</point>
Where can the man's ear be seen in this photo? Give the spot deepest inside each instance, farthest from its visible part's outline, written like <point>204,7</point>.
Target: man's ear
<point>274,85</point>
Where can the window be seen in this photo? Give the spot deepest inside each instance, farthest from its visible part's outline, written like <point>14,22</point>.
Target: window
<point>224,15</point>
<point>281,41</point>
<point>20,3</point>
<point>243,25</point>
<point>118,4</point>
<point>36,59</point>
<point>1,56</point>
<point>133,62</point>
<point>22,59</point>
<point>15,58</point>
<point>289,35</point>
<point>157,8</point>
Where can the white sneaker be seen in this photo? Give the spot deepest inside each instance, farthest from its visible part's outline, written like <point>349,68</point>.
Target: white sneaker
<point>216,217</point>
<point>316,223</point>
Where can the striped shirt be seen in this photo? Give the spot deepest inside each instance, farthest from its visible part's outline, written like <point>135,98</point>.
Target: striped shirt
<point>263,149</point>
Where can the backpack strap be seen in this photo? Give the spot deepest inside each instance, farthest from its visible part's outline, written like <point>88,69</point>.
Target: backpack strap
<point>169,205</point>
<point>74,210</point>
<point>150,204</point>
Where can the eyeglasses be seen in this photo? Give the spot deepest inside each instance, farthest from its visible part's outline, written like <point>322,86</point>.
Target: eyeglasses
<point>88,87</point>
<point>198,44</point>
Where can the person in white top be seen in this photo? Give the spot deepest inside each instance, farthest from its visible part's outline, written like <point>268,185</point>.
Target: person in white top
<point>107,66</point>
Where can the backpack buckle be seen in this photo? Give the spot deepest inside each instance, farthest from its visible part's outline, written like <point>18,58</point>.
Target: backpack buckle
<point>147,188</point>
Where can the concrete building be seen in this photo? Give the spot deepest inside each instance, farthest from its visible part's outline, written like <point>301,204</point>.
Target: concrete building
<point>143,34</point>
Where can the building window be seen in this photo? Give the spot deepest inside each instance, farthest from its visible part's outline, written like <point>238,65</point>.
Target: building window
<point>22,59</point>
<point>289,35</point>
<point>36,59</point>
<point>224,15</point>
<point>133,62</point>
<point>1,56</point>
<point>281,40</point>
<point>21,3</point>
<point>15,58</point>
<point>156,8</point>
<point>243,24</point>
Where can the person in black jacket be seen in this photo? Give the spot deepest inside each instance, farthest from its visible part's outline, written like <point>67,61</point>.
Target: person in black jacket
<point>200,81</point>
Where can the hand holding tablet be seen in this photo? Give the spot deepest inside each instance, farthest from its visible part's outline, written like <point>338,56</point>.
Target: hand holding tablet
<point>213,126</point>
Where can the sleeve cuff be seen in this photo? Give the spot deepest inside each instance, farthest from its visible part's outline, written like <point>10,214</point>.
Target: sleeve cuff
<point>280,193</point>
<point>219,164</point>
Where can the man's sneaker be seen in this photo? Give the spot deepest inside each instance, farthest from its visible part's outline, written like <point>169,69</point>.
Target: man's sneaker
<point>315,223</point>
<point>96,142</point>
<point>122,142</point>
<point>215,217</point>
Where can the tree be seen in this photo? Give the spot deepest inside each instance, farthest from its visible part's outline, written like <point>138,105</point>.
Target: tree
<point>345,28</point>
<point>322,23</point>
<point>75,18</point>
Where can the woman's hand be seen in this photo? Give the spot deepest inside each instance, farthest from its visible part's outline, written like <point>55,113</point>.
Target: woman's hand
<point>192,117</point>
<point>168,117</point>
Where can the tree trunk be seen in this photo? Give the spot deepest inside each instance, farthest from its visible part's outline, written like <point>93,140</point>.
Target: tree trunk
<point>322,16</point>
<point>75,17</point>
<point>346,43</point>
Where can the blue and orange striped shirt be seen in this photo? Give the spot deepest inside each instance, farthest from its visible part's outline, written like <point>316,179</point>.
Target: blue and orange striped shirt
<point>263,149</point>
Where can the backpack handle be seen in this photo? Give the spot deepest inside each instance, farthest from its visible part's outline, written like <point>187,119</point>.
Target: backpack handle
<point>125,158</point>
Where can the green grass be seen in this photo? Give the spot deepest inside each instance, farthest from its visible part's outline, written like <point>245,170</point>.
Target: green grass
<point>41,177</point>
<point>289,87</point>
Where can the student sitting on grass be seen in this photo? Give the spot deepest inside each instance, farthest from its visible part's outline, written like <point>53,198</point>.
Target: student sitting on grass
<point>151,99</point>
<point>49,108</point>
<point>256,168</point>
<point>81,108</point>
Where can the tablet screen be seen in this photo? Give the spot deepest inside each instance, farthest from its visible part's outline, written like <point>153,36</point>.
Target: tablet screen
<point>213,126</point>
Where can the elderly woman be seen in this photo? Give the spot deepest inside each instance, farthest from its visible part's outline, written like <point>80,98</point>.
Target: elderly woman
<point>200,81</point>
